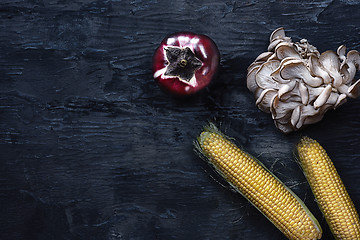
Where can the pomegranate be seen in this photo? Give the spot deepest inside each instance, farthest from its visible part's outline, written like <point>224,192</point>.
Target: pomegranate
<point>185,63</point>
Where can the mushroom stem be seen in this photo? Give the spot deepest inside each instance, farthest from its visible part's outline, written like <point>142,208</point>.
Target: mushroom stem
<point>323,97</point>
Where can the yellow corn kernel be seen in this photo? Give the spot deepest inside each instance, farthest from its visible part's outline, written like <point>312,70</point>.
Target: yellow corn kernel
<point>329,190</point>
<point>255,182</point>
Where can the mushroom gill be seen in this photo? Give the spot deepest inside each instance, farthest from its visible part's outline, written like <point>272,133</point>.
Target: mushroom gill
<point>297,84</point>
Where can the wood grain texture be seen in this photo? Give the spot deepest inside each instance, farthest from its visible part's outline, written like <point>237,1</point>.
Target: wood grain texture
<point>92,149</point>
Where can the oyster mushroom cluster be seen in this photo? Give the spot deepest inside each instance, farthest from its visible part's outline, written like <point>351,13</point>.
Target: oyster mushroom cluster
<point>297,84</point>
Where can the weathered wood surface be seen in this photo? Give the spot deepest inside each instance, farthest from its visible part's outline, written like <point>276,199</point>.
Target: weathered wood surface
<point>92,149</point>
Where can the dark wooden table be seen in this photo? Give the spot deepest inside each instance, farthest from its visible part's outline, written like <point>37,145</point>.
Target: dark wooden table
<point>91,148</point>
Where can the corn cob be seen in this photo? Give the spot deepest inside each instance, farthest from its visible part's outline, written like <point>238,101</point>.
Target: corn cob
<point>329,190</point>
<point>257,184</point>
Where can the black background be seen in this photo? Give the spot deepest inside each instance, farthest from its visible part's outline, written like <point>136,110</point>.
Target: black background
<point>91,148</point>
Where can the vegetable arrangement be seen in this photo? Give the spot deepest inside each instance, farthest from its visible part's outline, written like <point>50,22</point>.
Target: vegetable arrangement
<point>273,199</point>
<point>297,85</point>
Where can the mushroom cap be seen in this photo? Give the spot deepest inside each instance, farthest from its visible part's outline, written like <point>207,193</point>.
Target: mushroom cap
<point>251,79</point>
<point>331,63</point>
<point>263,75</point>
<point>340,100</point>
<point>273,44</point>
<point>318,70</point>
<point>265,100</point>
<point>280,109</point>
<point>296,69</point>
<point>354,89</point>
<point>285,50</point>
<point>306,112</point>
<point>263,56</point>
<point>286,88</point>
<point>354,56</point>
<point>277,33</point>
